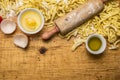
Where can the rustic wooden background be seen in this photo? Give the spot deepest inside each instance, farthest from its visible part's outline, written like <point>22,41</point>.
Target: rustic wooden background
<point>58,63</point>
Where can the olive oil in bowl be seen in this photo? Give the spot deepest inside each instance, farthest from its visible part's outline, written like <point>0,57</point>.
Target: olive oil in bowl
<point>96,44</point>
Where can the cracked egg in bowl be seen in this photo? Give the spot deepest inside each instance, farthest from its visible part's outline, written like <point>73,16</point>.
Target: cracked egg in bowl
<point>30,21</point>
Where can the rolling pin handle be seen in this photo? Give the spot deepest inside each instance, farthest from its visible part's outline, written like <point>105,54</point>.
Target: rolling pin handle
<point>47,35</point>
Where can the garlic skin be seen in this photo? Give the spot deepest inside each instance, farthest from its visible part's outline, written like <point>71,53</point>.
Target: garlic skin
<point>21,40</point>
<point>10,14</point>
<point>7,26</point>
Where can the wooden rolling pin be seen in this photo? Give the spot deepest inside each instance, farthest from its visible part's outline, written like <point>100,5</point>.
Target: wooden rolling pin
<point>75,18</point>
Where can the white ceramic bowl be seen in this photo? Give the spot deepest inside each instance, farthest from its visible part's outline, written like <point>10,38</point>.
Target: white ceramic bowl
<point>21,27</point>
<point>103,46</point>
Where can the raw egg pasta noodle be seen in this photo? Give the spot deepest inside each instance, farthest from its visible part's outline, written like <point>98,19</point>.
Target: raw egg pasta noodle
<point>107,23</point>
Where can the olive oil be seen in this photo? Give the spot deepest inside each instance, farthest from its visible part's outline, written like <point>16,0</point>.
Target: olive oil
<point>94,43</point>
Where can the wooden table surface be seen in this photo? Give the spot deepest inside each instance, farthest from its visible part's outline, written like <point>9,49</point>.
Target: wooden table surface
<point>58,63</point>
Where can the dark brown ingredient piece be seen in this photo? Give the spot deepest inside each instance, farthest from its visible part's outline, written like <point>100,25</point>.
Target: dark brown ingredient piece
<point>42,50</point>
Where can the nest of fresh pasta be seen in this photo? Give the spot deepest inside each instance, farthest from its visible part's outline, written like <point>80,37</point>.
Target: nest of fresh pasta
<point>107,23</point>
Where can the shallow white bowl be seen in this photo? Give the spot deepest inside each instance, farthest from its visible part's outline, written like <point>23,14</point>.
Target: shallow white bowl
<point>103,46</point>
<point>21,27</point>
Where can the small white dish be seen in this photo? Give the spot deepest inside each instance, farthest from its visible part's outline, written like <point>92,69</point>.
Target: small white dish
<point>103,44</point>
<point>21,27</point>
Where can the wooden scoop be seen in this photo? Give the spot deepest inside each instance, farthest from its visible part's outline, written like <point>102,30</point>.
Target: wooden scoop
<point>75,18</point>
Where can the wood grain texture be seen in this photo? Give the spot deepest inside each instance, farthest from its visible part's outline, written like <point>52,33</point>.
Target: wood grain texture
<point>58,63</point>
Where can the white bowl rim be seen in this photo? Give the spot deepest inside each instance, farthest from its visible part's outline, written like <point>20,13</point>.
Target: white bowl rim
<point>28,32</point>
<point>103,47</point>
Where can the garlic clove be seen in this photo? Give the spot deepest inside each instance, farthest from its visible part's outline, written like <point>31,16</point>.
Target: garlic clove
<point>21,40</point>
<point>7,26</point>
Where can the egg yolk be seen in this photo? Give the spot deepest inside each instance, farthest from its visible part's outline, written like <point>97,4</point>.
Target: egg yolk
<point>31,23</point>
<point>31,20</point>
